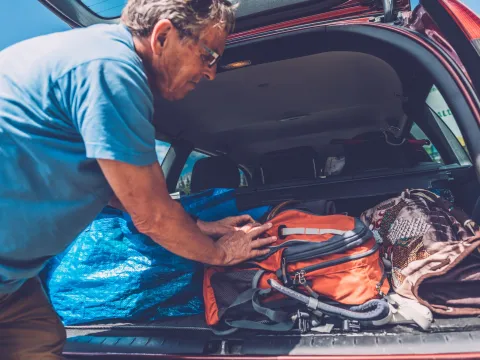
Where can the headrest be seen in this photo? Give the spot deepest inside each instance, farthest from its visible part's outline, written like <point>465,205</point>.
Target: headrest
<point>298,163</point>
<point>214,172</point>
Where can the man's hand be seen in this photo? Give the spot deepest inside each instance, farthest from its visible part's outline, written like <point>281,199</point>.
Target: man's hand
<point>217,229</point>
<point>244,244</point>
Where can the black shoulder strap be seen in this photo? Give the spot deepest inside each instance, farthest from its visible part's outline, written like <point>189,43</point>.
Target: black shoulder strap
<point>281,319</point>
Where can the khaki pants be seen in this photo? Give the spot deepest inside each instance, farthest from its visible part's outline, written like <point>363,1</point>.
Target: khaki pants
<point>29,327</point>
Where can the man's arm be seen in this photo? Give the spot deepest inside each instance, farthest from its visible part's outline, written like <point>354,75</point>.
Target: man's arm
<point>114,202</point>
<point>111,105</point>
<point>142,191</point>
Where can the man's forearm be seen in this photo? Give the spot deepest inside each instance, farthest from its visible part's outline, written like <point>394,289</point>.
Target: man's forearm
<point>171,226</point>
<point>143,193</point>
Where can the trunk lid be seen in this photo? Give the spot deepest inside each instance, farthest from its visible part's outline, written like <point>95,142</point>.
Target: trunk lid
<point>251,14</point>
<point>460,26</point>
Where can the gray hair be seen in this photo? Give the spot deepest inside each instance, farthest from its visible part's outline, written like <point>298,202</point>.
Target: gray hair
<point>140,16</point>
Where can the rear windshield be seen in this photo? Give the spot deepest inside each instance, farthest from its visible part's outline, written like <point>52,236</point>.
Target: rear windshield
<point>113,8</point>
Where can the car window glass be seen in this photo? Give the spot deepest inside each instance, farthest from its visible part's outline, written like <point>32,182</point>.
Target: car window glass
<point>161,147</point>
<point>431,150</point>
<point>437,103</point>
<point>243,178</point>
<point>183,184</point>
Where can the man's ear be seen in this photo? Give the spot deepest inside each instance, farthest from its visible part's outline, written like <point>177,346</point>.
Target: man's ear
<point>159,36</point>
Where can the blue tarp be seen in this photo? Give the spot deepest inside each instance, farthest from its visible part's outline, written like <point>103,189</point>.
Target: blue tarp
<point>112,272</point>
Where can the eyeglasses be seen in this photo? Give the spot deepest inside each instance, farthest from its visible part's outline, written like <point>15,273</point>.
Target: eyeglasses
<point>212,58</point>
<point>213,54</point>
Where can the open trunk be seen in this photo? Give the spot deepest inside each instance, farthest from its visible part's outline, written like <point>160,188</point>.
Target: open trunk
<point>307,88</point>
<point>190,336</point>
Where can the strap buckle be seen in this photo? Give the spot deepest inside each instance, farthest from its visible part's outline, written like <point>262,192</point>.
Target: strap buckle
<point>351,325</point>
<point>303,321</point>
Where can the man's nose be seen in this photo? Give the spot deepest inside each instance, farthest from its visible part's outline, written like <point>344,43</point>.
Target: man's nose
<point>210,72</point>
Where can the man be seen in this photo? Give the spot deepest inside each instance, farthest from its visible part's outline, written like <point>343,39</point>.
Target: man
<point>75,129</point>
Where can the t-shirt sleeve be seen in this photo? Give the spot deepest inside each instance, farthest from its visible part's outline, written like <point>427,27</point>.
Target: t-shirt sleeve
<point>111,106</point>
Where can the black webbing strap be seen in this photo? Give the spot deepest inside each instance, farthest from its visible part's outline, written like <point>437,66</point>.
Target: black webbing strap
<point>274,315</point>
<point>252,296</point>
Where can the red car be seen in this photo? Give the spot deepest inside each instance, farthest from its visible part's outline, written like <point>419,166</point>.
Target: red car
<point>317,74</point>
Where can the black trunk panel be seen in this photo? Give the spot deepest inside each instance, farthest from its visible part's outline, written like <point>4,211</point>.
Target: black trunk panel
<point>178,337</point>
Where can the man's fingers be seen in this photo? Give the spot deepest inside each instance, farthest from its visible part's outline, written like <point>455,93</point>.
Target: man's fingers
<point>263,242</point>
<point>244,219</point>
<point>255,253</point>
<point>245,228</point>
<point>257,231</point>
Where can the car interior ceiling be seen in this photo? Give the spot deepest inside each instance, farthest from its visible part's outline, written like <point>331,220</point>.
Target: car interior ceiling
<point>306,98</point>
<point>278,117</point>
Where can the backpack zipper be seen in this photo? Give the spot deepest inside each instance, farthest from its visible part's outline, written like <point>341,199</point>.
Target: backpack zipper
<point>299,278</point>
<point>359,239</point>
<point>342,260</point>
<point>378,287</point>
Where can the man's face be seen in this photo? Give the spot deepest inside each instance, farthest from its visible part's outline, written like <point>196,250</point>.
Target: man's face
<point>181,64</point>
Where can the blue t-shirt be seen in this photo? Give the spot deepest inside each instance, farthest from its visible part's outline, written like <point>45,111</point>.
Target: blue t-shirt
<point>66,99</point>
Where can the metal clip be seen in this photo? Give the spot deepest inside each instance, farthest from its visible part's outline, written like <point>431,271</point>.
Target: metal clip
<point>351,325</point>
<point>378,287</point>
<point>303,322</point>
<point>299,277</point>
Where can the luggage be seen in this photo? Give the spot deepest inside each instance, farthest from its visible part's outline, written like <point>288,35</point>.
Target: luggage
<point>113,272</point>
<point>432,249</point>
<point>320,265</point>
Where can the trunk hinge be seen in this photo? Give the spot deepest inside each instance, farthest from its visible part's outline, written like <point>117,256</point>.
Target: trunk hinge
<point>388,15</point>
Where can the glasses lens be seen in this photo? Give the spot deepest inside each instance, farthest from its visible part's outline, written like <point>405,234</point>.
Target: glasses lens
<point>213,56</point>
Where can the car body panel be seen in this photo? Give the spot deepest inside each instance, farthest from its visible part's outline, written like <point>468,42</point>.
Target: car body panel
<point>350,11</point>
<point>76,14</point>
<point>448,28</point>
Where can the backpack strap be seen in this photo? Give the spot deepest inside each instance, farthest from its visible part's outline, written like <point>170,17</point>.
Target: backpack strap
<point>309,231</point>
<point>373,312</point>
<point>252,296</point>
<point>281,319</point>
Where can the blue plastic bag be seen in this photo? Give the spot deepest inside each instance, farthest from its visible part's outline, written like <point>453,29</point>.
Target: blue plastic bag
<point>112,272</point>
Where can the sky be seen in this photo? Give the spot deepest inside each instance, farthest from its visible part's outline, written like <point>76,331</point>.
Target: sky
<point>23,19</point>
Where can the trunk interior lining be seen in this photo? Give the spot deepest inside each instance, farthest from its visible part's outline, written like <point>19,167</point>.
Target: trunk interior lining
<point>176,336</point>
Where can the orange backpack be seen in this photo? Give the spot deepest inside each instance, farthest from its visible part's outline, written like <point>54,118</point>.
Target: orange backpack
<point>319,265</point>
